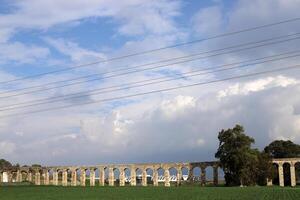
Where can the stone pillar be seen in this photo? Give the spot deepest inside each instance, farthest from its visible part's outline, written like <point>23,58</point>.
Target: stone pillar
<point>216,175</point>
<point>29,176</point>
<point>155,177</point>
<point>19,176</point>
<point>281,176</point>
<point>179,176</point>
<point>82,177</point>
<point>10,175</point>
<point>111,178</point>
<point>73,177</point>
<point>122,177</point>
<point>293,174</point>
<point>167,177</point>
<point>37,178</point>
<point>144,178</point>
<point>1,178</point>
<point>101,176</point>
<point>269,182</point>
<point>55,177</point>
<point>203,175</point>
<point>46,177</point>
<point>133,177</point>
<point>64,177</point>
<point>92,177</point>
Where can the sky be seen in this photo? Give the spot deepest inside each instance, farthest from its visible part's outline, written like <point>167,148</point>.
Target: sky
<point>37,37</point>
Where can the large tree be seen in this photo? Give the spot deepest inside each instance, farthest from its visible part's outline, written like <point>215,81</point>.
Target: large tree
<point>238,160</point>
<point>283,149</point>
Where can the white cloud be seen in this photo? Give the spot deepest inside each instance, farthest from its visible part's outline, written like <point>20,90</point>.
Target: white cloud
<point>257,85</point>
<point>76,53</point>
<point>21,53</point>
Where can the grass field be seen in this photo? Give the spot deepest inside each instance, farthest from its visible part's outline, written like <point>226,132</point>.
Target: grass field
<point>156,193</point>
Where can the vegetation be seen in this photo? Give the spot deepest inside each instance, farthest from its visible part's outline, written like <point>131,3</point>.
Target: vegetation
<point>136,193</point>
<point>283,149</point>
<point>5,164</point>
<point>242,164</point>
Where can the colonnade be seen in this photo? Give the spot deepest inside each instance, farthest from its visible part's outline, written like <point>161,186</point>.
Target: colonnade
<point>279,163</point>
<point>106,174</point>
<point>78,175</point>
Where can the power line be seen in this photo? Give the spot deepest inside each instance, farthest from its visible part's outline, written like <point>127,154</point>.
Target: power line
<point>157,91</point>
<point>143,83</point>
<point>156,67</point>
<point>157,49</point>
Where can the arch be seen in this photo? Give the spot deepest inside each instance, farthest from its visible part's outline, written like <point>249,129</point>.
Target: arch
<point>59,176</point>
<point>97,176</point>
<point>196,175</point>
<point>116,176</point>
<point>221,176</point>
<point>287,174</point>
<point>138,175</point>
<point>185,174</point>
<point>87,177</point>
<point>161,176</point>
<point>173,175</point>
<point>149,176</point>
<point>210,175</point>
<point>275,174</point>
<point>106,175</point>
<point>127,173</point>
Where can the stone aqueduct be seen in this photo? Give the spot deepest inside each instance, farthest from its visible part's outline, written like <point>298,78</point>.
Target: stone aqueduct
<point>77,175</point>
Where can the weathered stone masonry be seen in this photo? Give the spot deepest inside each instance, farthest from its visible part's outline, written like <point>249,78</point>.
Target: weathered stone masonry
<point>69,174</point>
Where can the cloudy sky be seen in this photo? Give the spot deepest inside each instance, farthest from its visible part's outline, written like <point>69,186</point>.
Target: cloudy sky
<point>37,37</point>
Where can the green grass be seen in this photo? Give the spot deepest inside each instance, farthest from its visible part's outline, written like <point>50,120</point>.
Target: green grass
<point>156,193</point>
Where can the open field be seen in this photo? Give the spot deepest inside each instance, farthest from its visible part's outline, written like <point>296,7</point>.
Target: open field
<point>115,193</point>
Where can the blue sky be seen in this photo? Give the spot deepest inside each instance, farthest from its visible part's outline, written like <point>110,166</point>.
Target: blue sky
<point>182,125</point>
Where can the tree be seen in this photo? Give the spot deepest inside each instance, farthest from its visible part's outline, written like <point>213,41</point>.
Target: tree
<point>237,159</point>
<point>283,149</point>
<point>5,164</point>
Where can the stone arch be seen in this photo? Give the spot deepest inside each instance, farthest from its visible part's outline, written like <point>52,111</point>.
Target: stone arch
<point>138,175</point>
<point>287,173</point>
<point>106,175</point>
<point>24,174</point>
<point>149,176</point>
<point>97,176</point>
<point>160,176</point>
<point>185,174</point>
<point>116,176</point>
<point>127,174</point>
<point>210,175</point>
<point>275,174</point>
<point>59,176</point>
<point>196,175</point>
<point>173,175</point>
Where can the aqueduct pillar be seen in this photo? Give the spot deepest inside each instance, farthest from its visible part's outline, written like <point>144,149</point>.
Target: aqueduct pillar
<point>73,177</point>
<point>133,176</point>
<point>111,178</point>
<point>82,176</point>
<point>92,177</point>
<point>101,176</point>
